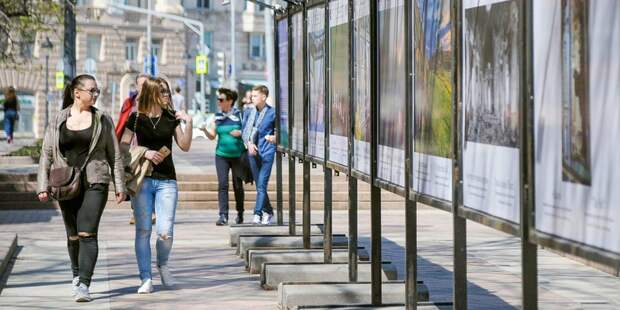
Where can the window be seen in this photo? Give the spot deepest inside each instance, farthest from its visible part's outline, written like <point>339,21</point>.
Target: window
<point>257,46</point>
<point>203,4</point>
<point>131,49</point>
<point>26,48</point>
<point>156,46</point>
<point>93,46</point>
<point>208,39</point>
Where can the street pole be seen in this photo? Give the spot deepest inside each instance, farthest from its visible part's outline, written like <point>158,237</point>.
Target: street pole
<point>47,90</point>
<point>149,52</point>
<point>233,52</point>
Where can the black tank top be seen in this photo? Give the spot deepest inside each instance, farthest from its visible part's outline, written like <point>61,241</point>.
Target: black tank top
<point>74,144</point>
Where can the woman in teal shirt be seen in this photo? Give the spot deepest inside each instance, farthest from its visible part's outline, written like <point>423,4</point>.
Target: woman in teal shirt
<point>228,152</point>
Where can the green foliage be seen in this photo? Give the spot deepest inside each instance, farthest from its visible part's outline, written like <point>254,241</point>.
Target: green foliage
<point>34,151</point>
<point>20,21</point>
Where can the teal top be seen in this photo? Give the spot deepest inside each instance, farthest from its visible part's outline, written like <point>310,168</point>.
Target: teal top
<point>227,145</point>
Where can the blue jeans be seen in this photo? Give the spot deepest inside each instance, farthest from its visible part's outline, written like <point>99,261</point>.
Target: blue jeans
<point>10,116</point>
<point>261,170</point>
<point>159,196</point>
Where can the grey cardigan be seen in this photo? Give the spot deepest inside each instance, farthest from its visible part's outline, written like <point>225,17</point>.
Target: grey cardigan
<point>104,153</point>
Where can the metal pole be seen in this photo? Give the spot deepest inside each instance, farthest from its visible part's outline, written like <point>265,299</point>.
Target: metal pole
<point>529,255</point>
<point>233,51</point>
<point>411,221</point>
<point>375,192</point>
<point>352,181</point>
<point>292,191</point>
<point>149,49</point>
<point>270,46</point>
<point>47,90</point>
<point>69,41</point>
<point>279,155</point>
<point>327,182</point>
<point>459,231</point>
<point>306,168</point>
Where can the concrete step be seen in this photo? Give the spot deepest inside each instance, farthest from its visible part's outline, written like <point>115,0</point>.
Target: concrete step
<point>285,242</point>
<point>18,177</point>
<point>27,205</point>
<point>237,230</point>
<point>250,195</point>
<point>16,160</point>
<point>292,295</point>
<point>256,259</point>
<point>249,205</point>
<point>275,273</point>
<point>8,247</point>
<point>421,306</point>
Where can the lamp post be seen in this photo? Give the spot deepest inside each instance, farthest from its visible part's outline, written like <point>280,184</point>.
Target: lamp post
<point>47,47</point>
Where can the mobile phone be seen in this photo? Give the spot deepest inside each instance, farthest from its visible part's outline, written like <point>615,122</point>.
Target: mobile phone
<point>165,151</point>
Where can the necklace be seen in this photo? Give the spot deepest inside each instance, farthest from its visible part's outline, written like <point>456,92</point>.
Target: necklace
<point>157,122</point>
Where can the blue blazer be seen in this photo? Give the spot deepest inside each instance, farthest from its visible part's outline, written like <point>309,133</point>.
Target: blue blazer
<point>266,127</point>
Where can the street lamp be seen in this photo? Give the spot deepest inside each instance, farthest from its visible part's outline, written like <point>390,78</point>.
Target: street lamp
<point>47,46</point>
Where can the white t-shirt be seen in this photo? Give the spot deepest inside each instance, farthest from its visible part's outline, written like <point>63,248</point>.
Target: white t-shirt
<point>178,101</point>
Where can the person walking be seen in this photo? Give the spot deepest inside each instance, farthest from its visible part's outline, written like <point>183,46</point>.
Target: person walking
<point>11,110</point>
<point>258,135</point>
<point>154,126</point>
<point>178,101</point>
<point>228,153</point>
<point>129,105</point>
<point>81,136</point>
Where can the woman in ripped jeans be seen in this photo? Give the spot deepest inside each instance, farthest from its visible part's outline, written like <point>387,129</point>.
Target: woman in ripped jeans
<point>155,125</point>
<point>82,136</point>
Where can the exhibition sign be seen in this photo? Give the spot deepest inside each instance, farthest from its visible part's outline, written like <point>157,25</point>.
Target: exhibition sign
<point>283,82</point>
<point>316,79</point>
<point>361,86</point>
<point>432,99</point>
<point>576,128</point>
<point>492,64</point>
<point>298,82</point>
<point>339,90</point>
<point>392,92</point>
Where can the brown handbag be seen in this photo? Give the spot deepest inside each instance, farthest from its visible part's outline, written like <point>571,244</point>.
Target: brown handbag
<point>65,183</point>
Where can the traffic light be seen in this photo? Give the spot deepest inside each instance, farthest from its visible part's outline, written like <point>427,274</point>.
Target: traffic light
<point>221,66</point>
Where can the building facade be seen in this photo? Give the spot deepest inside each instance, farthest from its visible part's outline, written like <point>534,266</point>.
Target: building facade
<point>111,45</point>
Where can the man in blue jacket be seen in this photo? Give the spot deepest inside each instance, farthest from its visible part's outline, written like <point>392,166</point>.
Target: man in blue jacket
<point>259,137</point>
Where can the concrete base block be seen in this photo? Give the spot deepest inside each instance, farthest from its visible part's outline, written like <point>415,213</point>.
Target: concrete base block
<point>275,273</point>
<point>421,306</point>
<point>256,258</point>
<point>237,230</point>
<point>287,242</point>
<point>8,247</point>
<point>291,295</point>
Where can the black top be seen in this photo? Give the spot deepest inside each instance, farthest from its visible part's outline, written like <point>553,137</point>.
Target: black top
<point>155,138</point>
<point>10,104</point>
<point>74,144</point>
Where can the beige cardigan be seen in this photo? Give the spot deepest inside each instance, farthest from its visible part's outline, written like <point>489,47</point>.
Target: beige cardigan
<point>139,168</point>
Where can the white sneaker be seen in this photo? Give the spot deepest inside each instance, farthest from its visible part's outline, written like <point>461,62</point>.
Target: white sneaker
<point>256,219</point>
<point>146,287</point>
<point>166,276</point>
<point>82,294</point>
<point>267,219</point>
<point>74,285</point>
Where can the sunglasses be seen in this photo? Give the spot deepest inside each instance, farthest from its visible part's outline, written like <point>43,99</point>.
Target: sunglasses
<point>165,93</point>
<point>221,99</point>
<point>95,92</point>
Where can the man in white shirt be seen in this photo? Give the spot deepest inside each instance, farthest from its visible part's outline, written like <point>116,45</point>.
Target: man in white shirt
<point>178,100</point>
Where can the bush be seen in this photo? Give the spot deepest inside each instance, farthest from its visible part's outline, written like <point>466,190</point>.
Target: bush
<point>34,151</point>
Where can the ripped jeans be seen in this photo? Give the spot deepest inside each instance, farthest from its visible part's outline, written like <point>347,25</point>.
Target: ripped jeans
<point>159,196</point>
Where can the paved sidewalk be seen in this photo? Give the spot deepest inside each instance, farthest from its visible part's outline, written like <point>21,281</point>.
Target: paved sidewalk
<point>212,277</point>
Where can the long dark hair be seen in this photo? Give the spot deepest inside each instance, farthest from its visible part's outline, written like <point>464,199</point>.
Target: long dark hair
<point>9,94</point>
<point>79,80</point>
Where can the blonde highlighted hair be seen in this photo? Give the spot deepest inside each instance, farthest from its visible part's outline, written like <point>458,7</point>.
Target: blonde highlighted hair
<point>150,96</point>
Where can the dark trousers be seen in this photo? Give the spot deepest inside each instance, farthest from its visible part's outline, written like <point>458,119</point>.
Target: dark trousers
<point>82,215</point>
<point>223,165</point>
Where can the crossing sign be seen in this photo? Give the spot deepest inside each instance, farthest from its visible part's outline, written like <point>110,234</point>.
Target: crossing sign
<point>60,80</point>
<point>202,64</point>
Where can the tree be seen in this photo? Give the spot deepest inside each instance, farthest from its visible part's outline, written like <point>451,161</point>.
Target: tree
<point>20,21</point>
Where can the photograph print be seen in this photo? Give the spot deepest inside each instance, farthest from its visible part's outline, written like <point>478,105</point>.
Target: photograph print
<point>283,81</point>
<point>575,104</point>
<point>433,78</point>
<point>298,82</point>
<point>392,75</point>
<point>361,72</point>
<point>316,75</point>
<point>339,64</point>
<point>491,73</point>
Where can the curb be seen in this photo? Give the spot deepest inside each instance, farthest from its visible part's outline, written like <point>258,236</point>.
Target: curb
<point>7,255</point>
